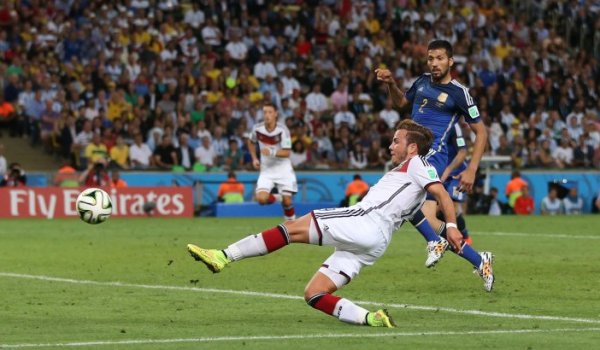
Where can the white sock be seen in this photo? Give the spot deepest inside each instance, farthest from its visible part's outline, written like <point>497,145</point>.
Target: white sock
<point>277,197</point>
<point>347,311</point>
<point>253,245</point>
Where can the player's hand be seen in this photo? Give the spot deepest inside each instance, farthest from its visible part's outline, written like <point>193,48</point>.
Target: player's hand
<point>384,75</point>
<point>256,163</point>
<point>454,238</point>
<point>467,179</point>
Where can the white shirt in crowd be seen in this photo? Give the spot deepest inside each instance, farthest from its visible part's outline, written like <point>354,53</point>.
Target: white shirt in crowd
<point>141,154</point>
<point>390,117</point>
<point>237,50</point>
<point>564,154</point>
<point>573,205</point>
<point>344,117</point>
<point>316,102</point>
<point>205,155</point>
<point>552,207</point>
<point>262,69</point>
<point>194,18</point>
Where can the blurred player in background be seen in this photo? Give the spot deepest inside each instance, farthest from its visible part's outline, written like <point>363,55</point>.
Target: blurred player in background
<point>438,102</point>
<point>457,153</point>
<point>360,233</point>
<point>275,166</point>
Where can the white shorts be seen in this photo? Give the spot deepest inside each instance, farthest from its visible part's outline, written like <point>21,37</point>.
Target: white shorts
<point>285,182</point>
<point>358,242</point>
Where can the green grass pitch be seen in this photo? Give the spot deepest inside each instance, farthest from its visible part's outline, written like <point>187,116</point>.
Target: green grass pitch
<point>130,284</point>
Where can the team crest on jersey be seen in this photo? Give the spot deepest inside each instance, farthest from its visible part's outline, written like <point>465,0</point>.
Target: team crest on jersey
<point>432,174</point>
<point>442,97</point>
<point>473,112</point>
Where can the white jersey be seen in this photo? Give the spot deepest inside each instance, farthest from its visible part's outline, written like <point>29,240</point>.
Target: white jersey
<point>276,139</point>
<point>398,194</point>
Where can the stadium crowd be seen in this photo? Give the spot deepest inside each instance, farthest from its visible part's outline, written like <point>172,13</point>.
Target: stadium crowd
<point>173,84</point>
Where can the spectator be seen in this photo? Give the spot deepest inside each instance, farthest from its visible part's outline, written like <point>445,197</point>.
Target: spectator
<point>96,150</point>
<point>140,155</point>
<point>583,154</point>
<point>165,154</point>
<point>205,154</point>
<point>231,190</point>
<point>524,205</point>
<point>355,191</point>
<point>14,177</point>
<point>234,159</point>
<point>358,157</point>
<point>119,154</point>
<point>573,203</point>
<point>551,204</point>
<point>344,117</point>
<point>185,153</point>
<point>495,206</point>
<point>299,156</point>
<point>95,175</point>
<point>389,115</point>
<point>563,155</point>
<point>116,181</point>
<point>8,117</point>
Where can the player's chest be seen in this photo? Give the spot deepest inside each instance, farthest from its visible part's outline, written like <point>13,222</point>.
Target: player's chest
<point>267,138</point>
<point>428,98</point>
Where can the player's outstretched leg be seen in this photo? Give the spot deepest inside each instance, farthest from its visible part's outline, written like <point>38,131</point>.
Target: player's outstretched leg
<point>436,245</point>
<point>482,262</point>
<point>254,245</point>
<point>318,294</point>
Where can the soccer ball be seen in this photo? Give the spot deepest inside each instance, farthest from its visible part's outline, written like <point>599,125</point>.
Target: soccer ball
<point>93,205</point>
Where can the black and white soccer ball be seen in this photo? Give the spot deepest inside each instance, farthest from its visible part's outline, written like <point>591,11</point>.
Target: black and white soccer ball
<point>94,206</point>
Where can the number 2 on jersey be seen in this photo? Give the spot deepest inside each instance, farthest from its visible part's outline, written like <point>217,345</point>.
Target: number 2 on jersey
<point>422,105</point>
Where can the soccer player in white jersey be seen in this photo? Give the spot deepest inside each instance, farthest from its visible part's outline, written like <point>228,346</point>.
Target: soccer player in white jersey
<point>274,164</point>
<point>360,233</point>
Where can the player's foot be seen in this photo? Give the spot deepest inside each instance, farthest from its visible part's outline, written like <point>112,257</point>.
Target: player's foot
<point>380,318</point>
<point>214,259</point>
<point>435,251</point>
<point>485,270</point>
<point>469,240</point>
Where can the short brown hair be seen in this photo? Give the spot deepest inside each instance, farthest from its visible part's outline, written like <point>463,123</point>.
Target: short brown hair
<point>417,133</point>
<point>270,104</point>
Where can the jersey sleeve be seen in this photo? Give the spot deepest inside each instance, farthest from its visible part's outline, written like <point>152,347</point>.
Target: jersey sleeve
<point>423,173</point>
<point>459,140</point>
<point>286,138</point>
<point>410,94</point>
<point>251,135</point>
<point>466,105</point>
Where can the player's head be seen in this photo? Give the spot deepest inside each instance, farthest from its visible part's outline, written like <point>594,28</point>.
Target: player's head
<point>269,113</point>
<point>439,59</point>
<point>409,140</point>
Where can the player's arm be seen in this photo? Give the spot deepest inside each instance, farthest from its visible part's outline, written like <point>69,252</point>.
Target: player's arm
<point>283,153</point>
<point>467,177</point>
<point>398,97</point>
<point>447,206</point>
<point>458,159</point>
<point>252,151</point>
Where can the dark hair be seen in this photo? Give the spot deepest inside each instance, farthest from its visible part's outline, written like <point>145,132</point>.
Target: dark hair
<point>270,104</point>
<point>418,134</point>
<point>357,177</point>
<point>441,44</point>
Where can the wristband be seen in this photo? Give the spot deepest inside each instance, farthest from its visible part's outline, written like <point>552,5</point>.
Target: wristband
<point>451,225</point>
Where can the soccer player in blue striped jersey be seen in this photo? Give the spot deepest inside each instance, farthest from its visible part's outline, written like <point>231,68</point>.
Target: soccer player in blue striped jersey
<point>438,102</point>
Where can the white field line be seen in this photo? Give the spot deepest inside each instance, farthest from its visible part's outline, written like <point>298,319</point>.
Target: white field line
<point>293,337</point>
<point>294,297</point>
<point>476,233</point>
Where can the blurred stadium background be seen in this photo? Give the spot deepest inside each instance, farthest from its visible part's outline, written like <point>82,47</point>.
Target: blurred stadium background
<point>92,90</point>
